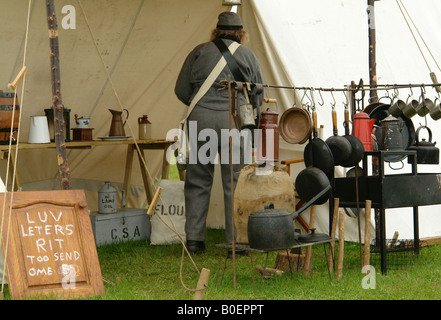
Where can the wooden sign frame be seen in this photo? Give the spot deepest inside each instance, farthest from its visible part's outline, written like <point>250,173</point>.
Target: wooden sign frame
<point>51,248</point>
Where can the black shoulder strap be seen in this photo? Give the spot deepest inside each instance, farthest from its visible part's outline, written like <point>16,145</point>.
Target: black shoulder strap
<point>231,61</point>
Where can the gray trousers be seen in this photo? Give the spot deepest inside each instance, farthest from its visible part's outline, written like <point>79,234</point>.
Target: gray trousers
<point>206,125</point>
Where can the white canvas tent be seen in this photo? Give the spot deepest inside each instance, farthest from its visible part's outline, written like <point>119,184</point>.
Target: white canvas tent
<point>324,44</point>
<point>144,43</point>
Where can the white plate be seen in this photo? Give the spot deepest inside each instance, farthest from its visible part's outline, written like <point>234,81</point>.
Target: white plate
<point>114,138</point>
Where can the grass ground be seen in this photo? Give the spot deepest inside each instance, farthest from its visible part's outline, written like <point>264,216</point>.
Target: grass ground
<point>153,272</point>
<point>136,270</point>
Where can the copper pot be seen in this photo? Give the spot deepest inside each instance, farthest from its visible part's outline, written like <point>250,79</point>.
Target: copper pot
<point>295,125</point>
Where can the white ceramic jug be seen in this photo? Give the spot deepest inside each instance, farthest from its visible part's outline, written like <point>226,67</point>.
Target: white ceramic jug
<point>38,130</point>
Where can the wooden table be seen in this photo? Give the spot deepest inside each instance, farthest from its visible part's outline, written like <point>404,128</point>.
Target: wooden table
<point>131,147</point>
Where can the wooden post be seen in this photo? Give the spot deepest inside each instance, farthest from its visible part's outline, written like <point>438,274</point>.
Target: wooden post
<point>367,230</point>
<point>341,243</point>
<point>202,284</point>
<point>372,52</point>
<point>333,231</point>
<point>307,265</point>
<point>57,102</point>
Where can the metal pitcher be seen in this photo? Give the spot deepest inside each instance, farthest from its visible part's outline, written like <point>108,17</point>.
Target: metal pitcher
<point>117,126</point>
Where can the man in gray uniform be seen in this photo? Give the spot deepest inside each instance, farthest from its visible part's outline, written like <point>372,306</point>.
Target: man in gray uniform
<point>212,112</point>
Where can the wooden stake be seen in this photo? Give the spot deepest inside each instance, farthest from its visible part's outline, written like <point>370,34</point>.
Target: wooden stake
<point>202,284</point>
<point>308,256</point>
<point>154,200</point>
<point>14,84</point>
<point>57,102</point>
<point>367,230</point>
<point>333,231</point>
<point>341,243</point>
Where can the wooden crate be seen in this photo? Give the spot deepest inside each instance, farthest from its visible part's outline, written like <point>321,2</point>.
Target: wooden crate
<point>126,224</point>
<point>283,261</point>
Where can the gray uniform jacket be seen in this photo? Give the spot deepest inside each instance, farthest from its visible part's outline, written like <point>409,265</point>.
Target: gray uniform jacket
<point>198,65</point>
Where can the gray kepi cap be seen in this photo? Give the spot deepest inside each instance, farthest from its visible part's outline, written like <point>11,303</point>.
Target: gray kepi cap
<point>229,21</point>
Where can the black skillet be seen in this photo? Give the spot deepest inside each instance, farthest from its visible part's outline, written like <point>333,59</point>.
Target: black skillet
<point>340,147</point>
<point>357,146</point>
<point>317,153</point>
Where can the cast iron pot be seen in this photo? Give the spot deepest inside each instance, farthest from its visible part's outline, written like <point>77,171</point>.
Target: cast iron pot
<point>271,229</point>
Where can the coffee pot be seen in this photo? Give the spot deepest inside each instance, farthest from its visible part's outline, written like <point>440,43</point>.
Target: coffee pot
<point>117,125</point>
<point>363,128</point>
<point>391,137</point>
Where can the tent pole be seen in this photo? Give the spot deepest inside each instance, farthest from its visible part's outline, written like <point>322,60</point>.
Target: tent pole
<point>57,102</point>
<point>372,50</point>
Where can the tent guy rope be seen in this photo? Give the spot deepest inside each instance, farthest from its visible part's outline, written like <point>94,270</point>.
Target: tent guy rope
<point>21,77</point>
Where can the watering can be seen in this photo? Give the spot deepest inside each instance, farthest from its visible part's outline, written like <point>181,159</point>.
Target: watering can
<point>363,128</point>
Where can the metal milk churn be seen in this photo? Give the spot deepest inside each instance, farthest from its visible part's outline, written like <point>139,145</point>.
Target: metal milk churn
<point>107,199</point>
<point>268,137</point>
<point>145,128</point>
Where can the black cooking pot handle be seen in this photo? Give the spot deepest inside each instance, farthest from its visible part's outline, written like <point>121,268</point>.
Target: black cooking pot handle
<point>311,202</point>
<point>418,132</point>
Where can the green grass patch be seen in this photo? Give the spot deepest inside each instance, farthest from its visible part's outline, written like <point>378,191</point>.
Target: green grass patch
<point>136,270</point>
<point>153,272</point>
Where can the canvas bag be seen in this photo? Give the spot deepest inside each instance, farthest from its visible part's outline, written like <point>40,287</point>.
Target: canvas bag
<point>171,206</point>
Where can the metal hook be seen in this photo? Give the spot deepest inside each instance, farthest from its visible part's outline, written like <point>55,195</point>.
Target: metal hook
<point>321,97</point>
<point>304,94</point>
<point>396,93</point>
<point>311,90</point>
<point>333,99</point>
<point>423,92</point>
<point>410,95</point>
<point>346,98</point>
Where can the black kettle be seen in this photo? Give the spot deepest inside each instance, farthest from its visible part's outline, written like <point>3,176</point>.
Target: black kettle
<point>427,153</point>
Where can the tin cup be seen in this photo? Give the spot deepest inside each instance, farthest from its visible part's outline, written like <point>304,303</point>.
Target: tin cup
<point>435,111</point>
<point>411,108</point>
<point>424,107</point>
<point>397,108</point>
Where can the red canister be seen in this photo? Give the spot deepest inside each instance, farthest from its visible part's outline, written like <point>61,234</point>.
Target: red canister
<point>363,128</point>
<point>268,137</point>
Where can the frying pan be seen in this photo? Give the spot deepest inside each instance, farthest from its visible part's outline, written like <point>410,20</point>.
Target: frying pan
<point>317,153</point>
<point>357,147</point>
<point>340,147</point>
<point>408,132</point>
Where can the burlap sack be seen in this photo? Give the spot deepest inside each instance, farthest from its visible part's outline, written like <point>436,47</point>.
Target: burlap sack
<point>254,191</point>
